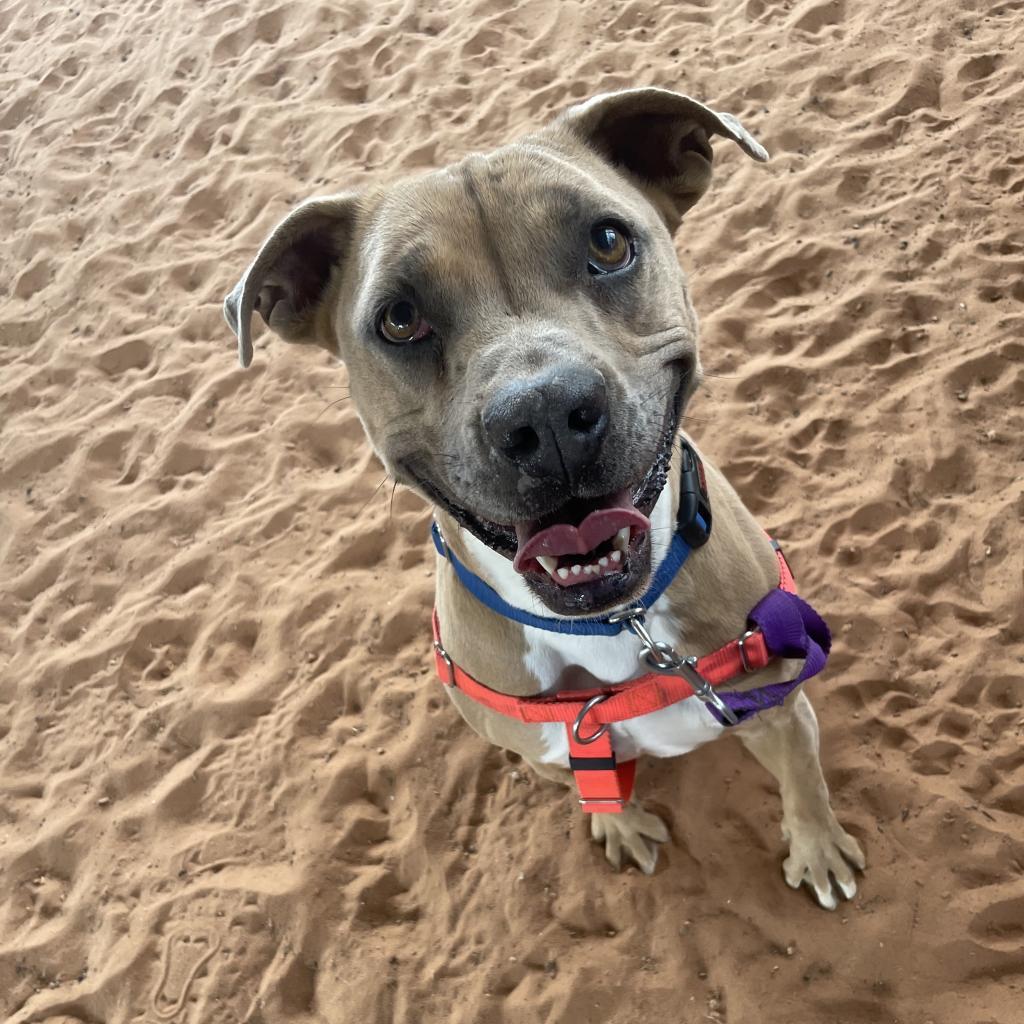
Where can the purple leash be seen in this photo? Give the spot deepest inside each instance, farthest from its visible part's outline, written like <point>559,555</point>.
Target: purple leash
<point>792,629</point>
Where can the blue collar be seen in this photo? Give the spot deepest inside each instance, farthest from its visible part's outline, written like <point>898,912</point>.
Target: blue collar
<point>678,552</point>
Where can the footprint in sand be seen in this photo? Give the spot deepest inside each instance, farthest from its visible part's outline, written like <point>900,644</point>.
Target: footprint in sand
<point>210,960</point>
<point>186,952</point>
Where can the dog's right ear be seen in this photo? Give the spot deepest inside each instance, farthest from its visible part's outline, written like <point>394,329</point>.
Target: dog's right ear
<point>290,277</point>
<point>660,137</point>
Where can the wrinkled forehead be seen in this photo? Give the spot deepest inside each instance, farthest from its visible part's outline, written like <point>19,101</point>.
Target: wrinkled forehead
<point>487,215</point>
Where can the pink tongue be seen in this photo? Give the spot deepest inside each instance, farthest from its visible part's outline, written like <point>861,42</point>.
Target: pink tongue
<point>565,539</point>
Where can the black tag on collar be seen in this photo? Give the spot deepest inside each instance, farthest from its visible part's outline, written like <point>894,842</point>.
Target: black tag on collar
<point>693,522</point>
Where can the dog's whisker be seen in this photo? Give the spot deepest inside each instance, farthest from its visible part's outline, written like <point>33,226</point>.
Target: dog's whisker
<point>376,491</point>
<point>331,405</point>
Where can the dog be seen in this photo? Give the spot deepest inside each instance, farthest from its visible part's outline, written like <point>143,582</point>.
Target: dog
<point>521,348</point>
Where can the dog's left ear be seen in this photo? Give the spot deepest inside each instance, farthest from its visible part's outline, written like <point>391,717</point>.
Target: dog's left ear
<point>289,279</point>
<point>660,137</point>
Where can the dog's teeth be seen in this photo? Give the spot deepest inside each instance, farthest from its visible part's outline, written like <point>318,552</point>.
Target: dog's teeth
<point>621,541</point>
<point>587,570</point>
<point>549,564</point>
<point>616,556</point>
<point>603,562</point>
<point>576,570</point>
<point>563,574</point>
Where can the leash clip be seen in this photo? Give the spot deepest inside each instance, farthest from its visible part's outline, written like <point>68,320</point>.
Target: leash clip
<point>664,657</point>
<point>634,613</point>
<point>656,653</point>
<point>703,690</point>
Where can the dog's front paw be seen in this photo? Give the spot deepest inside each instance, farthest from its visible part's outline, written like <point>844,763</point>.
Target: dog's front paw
<point>635,832</point>
<point>819,856</point>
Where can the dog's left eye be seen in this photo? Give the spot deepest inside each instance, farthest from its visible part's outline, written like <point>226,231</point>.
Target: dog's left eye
<point>401,323</point>
<point>610,249</point>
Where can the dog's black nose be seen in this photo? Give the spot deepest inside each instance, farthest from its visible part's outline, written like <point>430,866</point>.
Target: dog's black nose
<point>552,424</point>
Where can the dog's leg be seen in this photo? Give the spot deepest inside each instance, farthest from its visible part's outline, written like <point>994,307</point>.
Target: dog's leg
<point>785,741</point>
<point>635,832</point>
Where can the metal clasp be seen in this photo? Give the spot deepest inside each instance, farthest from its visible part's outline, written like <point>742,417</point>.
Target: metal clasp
<point>704,691</point>
<point>636,611</point>
<point>443,654</point>
<point>657,655</point>
<point>584,711</point>
<point>663,657</point>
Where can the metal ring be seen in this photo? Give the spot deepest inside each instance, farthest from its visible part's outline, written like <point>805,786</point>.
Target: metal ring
<point>635,611</point>
<point>443,654</point>
<point>744,661</point>
<point>660,656</point>
<point>593,702</point>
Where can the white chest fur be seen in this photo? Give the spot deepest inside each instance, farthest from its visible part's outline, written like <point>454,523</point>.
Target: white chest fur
<point>555,659</point>
<point>667,733</point>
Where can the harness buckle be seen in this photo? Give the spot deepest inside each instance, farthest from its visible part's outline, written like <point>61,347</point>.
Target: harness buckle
<point>693,521</point>
<point>744,660</point>
<point>704,691</point>
<point>443,655</point>
<point>584,711</point>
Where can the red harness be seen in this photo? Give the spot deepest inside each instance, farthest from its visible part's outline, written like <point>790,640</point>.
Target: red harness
<point>604,783</point>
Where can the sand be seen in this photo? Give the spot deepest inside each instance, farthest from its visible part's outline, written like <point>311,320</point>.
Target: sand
<point>230,789</point>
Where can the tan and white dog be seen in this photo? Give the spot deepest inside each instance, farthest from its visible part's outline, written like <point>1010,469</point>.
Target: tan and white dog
<point>521,347</point>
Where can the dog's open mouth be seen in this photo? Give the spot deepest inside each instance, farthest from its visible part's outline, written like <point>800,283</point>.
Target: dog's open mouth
<point>574,555</point>
<point>591,555</point>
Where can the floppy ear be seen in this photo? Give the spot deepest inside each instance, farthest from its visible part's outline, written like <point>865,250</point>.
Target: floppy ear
<point>289,278</point>
<point>661,137</point>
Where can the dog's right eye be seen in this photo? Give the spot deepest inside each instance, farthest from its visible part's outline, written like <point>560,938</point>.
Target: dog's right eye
<point>401,323</point>
<point>610,249</point>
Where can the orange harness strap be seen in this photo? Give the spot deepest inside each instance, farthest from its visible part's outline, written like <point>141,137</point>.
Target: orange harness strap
<point>605,785</point>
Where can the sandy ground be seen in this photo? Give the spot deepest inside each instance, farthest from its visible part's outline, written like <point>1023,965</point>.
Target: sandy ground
<point>229,788</point>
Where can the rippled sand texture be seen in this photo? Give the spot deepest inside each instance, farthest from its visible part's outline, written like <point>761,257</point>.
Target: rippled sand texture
<point>231,790</point>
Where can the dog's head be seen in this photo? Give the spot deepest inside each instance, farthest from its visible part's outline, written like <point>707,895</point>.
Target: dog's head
<point>518,333</point>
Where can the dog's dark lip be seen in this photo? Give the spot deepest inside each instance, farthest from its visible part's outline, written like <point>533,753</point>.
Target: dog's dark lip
<point>496,536</point>
<point>588,598</point>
